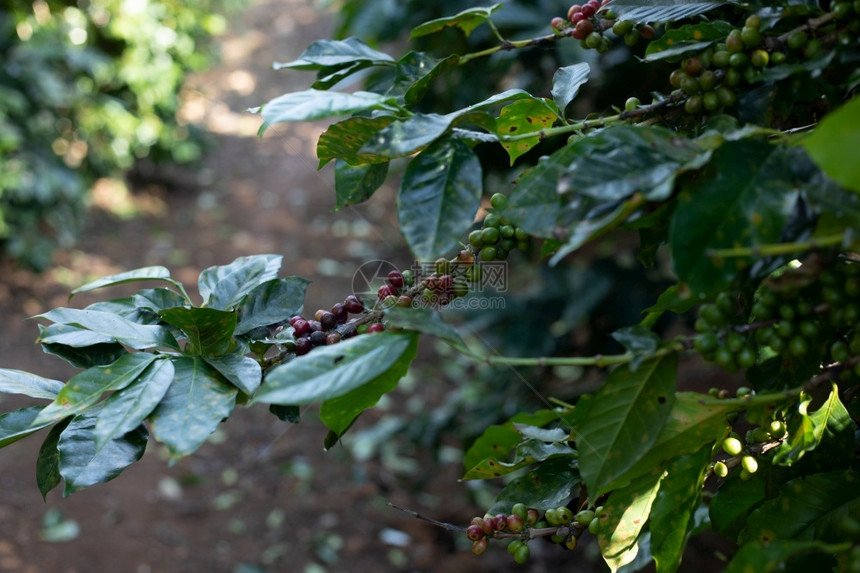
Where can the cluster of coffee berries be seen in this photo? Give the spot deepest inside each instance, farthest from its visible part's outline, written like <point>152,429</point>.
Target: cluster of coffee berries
<point>482,529</point>
<point>588,23</point>
<point>744,452</point>
<point>330,326</point>
<point>807,312</point>
<point>394,291</point>
<point>497,237</point>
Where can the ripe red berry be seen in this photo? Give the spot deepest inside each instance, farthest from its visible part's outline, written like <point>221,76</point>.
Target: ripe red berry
<point>558,23</point>
<point>303,346</point>
<point>583,29</point>
<point>488,524</point>
<point>293,319</point>
<point>375,327</point>
<point>594,4</point>
<point>386,290</point>
<point>353,304</point>
<point>577,18</point>
<point>572,11</point>
<point>474,532</point>
<point>315,325</point>
<point>515,523</point>
<point>501,522</point>
<point>395,279</point>
<point>301,327</point>
<point>588,10</point>
<point>478,547</point>
<point>340,312</point>
<point>328,320</point>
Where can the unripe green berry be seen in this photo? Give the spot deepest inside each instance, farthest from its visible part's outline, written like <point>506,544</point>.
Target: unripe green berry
<point>727,96</point>
<point>777,429</point>
<point>707,80</point>
<point>759,58</point>
<point>551,516</point>
<point>721,58</point>
<point>490,235</point>
<point>751,37</point>
<point>739,60</point>
<point>721,469</point>
<point>798,345</point>
<point>734,42</point>
<point>690,85</point>
<point>711,101</point>
<point>777,58</point>
<point>520,510</point>
<point>694,104</point>
<point>632,103</point>
<point>706,342</point>
<point>594,526</point>
<point>746,357</point>
<point>592,41</point>
<point>522,554</point>
<point>631,38</point>
<point>623,27</point>
<point>564,515</point>
<point>475,239</point>
<point>732,446</point>
<point>676,77</point>
<point>499,201</point>
<point>752,21</point>
<point>584,517</point>
<point>797,40</point>
<point>514,545</point>
<point>749,464</point>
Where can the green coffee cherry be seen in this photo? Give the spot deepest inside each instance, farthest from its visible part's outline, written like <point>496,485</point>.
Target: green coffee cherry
<point>749,464</point>
<point>522,554</point>
<point>732,446</point>
<point>584,517</point>
<point>721,469</point>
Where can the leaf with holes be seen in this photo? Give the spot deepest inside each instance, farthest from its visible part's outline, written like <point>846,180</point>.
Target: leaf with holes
<point>438,198</point>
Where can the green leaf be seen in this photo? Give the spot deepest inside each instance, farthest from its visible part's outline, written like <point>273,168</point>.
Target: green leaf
<point>224,287</point>
<point>103,327</point>
<point>624,515</point>
<point>524,116</point>
<point>156,299</point>
<point>20,382</point>
<point>271,303</point>
<point>640,341</point>
<point>48,463</point>
<point>696,420</point>
<point>354,185</point>
<point>331,371</point>
<point>623,420</point>
<point>831,146</point>
<point>805,431</point>
<point>340,412</point>
<point>312,104</point>
<point>243,372</point>
<point>771,557</point>
<point>425,321</point>
<point>88,356</point>
<point>143,274</point>
<point>686,38</point>
<point>566,83</point>
<point>344,139</point>
<point>438,198</point>
<point>324,54</point>
<point>196,402</point>
<point>807,508</point>
<point>497,441</point>
<point>552,484</point>
<point>81,464</point>
<point>209,331</point>
<point>527,453</point>
<point>743,197</point>
<point>467,21</point>
<point>415,73</point>
<point>125,410</point>
<point>733,503</point>
<point>18,424</point>
<point>662,10</point>
<point>85,388</point>
<point>672,512</point>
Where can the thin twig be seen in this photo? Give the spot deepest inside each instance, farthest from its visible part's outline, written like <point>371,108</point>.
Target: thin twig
<point>442,524</point>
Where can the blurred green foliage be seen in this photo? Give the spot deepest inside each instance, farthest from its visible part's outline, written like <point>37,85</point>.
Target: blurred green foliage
<point>86,89</point>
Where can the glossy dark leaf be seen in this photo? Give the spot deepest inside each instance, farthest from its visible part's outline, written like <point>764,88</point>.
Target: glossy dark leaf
<point>671,516</point>
<point>623,420</point>
<point>324,54</point>
<point>81,464</point>
<point>143,274</point>
<point>733,503</point>
<point>743,197</point>
<point>552,484</point>
<point>224,287</point>
<point>678,41</point>
<point>243,372</point>
<point>313,104</point>
<point>87,356</point>
<point>467,20</point>
<point>18,424</point>
<point>125,410</point>
<point>209,331</point>
<point>339,413</point>
<point>272,302</point>
<point>77,327</point>
<point>774,556</point>
<point>415,73</point>
<point>48,463</point>
<point>157,299</point>
<point>425,321</point>
<point>357,184</point>
<point>439,196</point>
<point>662,10</point>
<point>20,382</point>
<point>86,388</point>
<point>193,407</point>
<point>328,372</point>
<point>527,453</point>
<point>566,83</point>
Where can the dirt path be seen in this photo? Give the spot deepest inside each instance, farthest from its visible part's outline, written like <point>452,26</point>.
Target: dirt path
<point>262,496</point>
